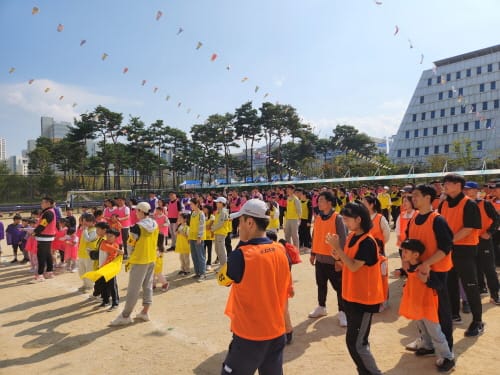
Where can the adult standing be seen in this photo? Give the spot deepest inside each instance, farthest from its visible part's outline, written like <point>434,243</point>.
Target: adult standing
<point>257,267</point>
<point>220,230</point>
<point>234,207</point>
<point>433,231</point>
<point>141,263</point>
<point>326,269</point>
<point>292,216</point>
<point>174,209</point>
<point>123,212</point>
<point>464,219</point>
<point>44,233</point>
<point>385,201</point>
<point>396,202</point>
<point>490,221</point>
<point>196,237</point>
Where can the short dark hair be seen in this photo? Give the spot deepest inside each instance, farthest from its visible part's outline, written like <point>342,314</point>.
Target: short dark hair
<point>112,231</point>
<point>426,189</point>
<point>272,235</point>
<point>455,178</point>
<point>328,197</point>
<point>355,210</point>
<point>102,225</point>
<point>413,245</point>
<point>48,199</point>
<point>88,217</point>
<point>373,201</point>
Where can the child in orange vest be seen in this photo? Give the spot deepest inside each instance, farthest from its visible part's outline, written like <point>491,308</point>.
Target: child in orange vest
<point>419,302</point>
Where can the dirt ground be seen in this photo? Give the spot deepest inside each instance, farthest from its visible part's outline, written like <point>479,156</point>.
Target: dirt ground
<point>52,328</point>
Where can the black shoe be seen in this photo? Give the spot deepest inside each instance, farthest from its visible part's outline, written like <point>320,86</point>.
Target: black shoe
<point>456,319</point>
<point>445,365</point>
<point>475,329</point>
<point>465,307</point>
<point>422,352</point>
<point>24,261</point>
<point>483,291</point>
<point>13,261</point>
<point>171,248</point>
<point>104,304</point>
<point>289,338</point>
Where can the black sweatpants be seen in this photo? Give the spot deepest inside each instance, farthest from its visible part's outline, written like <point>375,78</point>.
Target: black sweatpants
<point>305,234</point>
<point>464,268</point>
<point>324,273</point>
<point>444,308</point>
<point>44,256</point>
<point>486,267</point>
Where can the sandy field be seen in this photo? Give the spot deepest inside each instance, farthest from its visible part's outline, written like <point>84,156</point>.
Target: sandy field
<point>51,328</point>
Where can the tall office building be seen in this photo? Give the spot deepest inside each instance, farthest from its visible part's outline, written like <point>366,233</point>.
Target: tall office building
<point>3,152</point>
<point>455,103</point>
<point>18,164</point>
<point>52,129</point>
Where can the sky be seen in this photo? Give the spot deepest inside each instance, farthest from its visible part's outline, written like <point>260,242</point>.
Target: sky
<point>336,62</point>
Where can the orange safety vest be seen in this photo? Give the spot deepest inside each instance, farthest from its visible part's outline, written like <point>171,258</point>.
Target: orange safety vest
<point>321,229</point>
<point>425,233</point>
<point>455,218</point>
<point>376,230</point>
<point>418,300</point>
<point>486,221</point>
<point>365,285</point>
<point>403,224</point>
<point>256,305</point>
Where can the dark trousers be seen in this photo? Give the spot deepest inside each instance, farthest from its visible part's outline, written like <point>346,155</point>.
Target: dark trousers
<point>44,256</point>
<point>208,248</point>
<point>124,232</point>
<point>236,224</point>
<point>160,243</point>
<point>282,215</point>
<point>246,356</point>
<point>464,268</point>
<point>486,266</point>
<point>395,211</point>
<point>305,234</point>
<point>444,308</point>
<point>358,329</point>
<point>324,273</point>
<point>110,289</point>
<point>227,244</point>
<point>385,212</point>
<point>496,245</point>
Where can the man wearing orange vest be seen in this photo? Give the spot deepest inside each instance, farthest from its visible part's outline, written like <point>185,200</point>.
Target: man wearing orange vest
<point>464,219</point>
<point>433,231</point>
<point>260,279</point>
<point>45,233</point>
<point>328,221</point>
<point>485,251</point>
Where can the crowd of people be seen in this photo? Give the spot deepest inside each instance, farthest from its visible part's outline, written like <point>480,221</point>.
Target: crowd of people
<point>448,237</point>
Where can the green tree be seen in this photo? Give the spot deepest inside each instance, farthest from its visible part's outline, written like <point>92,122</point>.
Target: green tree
<point>249,130</point>
<point>350,138</point>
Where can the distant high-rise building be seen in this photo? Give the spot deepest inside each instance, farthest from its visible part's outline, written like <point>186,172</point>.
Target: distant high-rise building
<point>18,164</point>
<point>31,145</point>
<point>455,104</point>
<point>3,151</point>
<point>54,130</point>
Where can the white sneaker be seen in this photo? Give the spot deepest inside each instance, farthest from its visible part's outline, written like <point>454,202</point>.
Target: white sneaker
<point>37,279</point>
<point>342,319</point>
<point>142,316</point>
<point>415,345</point>
<point>317,312</point>
<point>208,268</point>
<point>120,320</point>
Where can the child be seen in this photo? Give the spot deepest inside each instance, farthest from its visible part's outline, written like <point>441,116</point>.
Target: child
<point>182,244</point>
<point>109,250</point>
<point>420,303</point>
<point>163,224</point>
<point>96,257</point>
<point>88,239</point>
<point>158,273</point>
<point>58,243</point>
<point>31,245</point>
<point>71,249</point>
<point>114,223</point>
<point>209,237</point>
<point>362,289</point>
<point>14,235</point>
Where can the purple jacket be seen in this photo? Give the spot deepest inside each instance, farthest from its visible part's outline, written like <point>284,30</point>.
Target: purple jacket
<point>14,234</point>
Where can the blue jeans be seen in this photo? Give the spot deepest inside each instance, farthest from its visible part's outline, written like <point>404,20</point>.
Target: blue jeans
<point>198,256</point>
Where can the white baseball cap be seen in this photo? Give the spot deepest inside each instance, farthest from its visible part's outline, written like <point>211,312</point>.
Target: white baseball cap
<point>254,208</point>
<point>221,200</point>
<point>144,207</point>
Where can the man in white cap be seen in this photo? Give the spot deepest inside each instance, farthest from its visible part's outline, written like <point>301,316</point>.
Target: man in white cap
<point>259,275</point>
<point>141,247</point>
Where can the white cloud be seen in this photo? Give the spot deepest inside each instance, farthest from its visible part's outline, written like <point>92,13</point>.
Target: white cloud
<point>383,122</point>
